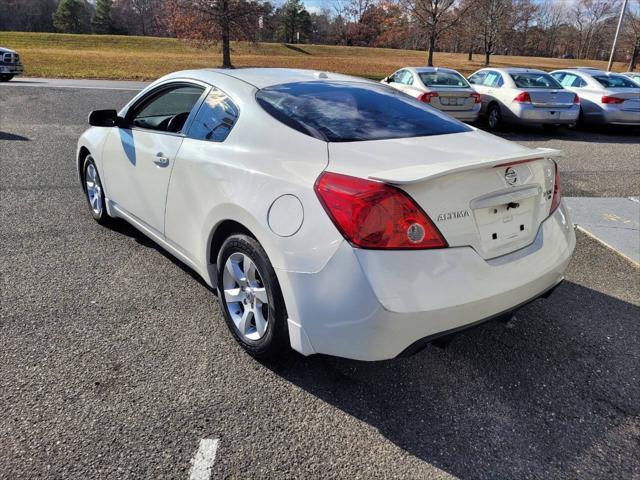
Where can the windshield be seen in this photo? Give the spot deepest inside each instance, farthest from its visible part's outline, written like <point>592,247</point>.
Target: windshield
<point>534,80</point>
<point>351,111</point>
<point>443,79</point>
<point>615,81</point>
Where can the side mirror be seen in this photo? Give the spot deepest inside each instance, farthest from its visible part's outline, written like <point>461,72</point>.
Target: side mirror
<point>104,118</point>
<point>387,80</point>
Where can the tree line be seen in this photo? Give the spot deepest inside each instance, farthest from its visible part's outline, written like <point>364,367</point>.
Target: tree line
<point>581,29</point>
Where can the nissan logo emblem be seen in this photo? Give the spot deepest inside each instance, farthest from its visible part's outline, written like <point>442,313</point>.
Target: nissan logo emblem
<point>511,176</point>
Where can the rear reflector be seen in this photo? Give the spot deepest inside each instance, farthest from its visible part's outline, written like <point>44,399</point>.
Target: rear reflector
<point>375,215</point>
<point>611,100</point>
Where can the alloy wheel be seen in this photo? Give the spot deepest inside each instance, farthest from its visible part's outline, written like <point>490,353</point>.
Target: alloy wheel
<point>94,188</point>
<point>245,296</point>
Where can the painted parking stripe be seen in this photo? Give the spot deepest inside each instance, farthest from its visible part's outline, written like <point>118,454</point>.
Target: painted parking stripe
<point>202,461</point>
<point>614,222</point>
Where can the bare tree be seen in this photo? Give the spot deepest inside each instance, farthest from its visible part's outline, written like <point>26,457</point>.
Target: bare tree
<point>551,16</point>
<point>214,20</point>
<point>493,17</point>
<point>633,33</point>
<point>437,16</point>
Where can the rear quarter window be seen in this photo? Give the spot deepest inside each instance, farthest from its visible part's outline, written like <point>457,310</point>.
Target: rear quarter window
<point>352,111</point>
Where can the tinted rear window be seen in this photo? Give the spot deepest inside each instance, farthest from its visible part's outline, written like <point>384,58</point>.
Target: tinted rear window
<point>534,80</point>
<point>443,79</point>
<point>350,111</point>
<point>615,81</point>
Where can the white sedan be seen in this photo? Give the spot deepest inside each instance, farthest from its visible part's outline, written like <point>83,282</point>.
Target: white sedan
<point>334,215</point>
<point>442,88</point>
<point>605,97</point>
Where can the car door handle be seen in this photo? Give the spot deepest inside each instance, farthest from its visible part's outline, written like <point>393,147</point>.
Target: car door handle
<point>161,160</point>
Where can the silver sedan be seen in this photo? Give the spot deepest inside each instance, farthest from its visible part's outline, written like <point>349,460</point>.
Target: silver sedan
<point>442,88</point>
<point>524,96</point>
<point>605,97</point>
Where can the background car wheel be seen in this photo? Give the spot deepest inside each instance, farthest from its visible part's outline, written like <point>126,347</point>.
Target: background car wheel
<point>251,298</point>
<point>94,192</point>
<point>494,117</point>
<point>5,78</point>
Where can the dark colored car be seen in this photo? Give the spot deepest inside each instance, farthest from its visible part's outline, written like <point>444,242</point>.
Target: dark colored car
<point>10,65</point>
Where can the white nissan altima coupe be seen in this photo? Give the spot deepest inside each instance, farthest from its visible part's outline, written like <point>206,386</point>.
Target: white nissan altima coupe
<point>333,214</point>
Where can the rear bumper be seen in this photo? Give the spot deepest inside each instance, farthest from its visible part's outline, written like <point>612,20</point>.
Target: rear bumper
<point>614,115</point>
<point>373,305</point>
<point>532,115</point>
<point>465,115</point>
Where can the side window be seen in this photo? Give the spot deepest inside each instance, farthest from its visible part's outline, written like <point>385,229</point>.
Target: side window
<point>568,80</point>
<point>215,118</point>
<point>408,78</point>
<point>168,110</point>
<point>493,79</point>
<point>400,76</point>
<point>559,76</point>
<point>579,83</point>
<point>477,78</point>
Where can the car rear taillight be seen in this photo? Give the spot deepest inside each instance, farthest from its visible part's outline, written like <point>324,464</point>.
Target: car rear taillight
<point>427,96</point>
<point>477,97</point>
<point>576,99</point>
<point>611,100</point>
<point>555,198</point>
<point>523,97</point>
<point>376,215</point>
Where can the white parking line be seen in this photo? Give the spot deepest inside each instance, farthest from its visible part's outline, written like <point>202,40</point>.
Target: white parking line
<point>202,461</point>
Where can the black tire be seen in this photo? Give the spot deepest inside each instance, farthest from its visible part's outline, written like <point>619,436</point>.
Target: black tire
<point>551,127</point>
<point>5,77</point>
<point>494,118</point>
<point>275,340</point>
<point>99,215</point>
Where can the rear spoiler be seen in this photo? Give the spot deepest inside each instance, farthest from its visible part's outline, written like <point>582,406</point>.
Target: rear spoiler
<point>419,173</point>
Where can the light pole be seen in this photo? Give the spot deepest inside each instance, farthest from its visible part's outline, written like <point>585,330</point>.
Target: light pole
<point>615,39</point>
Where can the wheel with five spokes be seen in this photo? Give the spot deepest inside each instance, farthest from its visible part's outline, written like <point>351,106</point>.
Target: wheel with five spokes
<point>251,298</point>
<point>94,191</point>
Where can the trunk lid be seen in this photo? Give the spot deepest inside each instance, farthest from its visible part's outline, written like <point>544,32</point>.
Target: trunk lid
<point>479,190</point>
<point>551,98</point>
<point>453,99</point>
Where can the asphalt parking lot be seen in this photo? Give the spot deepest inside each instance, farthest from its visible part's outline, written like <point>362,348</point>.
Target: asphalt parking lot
<point>115,361</point>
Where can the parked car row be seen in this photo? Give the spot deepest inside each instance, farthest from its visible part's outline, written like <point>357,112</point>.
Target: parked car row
<point>526,96</point>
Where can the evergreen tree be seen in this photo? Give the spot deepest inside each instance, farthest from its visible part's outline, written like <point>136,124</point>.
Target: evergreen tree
<point>72,16</point>
<point>294,19</point>
<point>101,22</point>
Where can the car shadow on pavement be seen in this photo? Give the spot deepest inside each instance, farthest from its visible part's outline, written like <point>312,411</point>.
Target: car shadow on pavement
<point>124,228</point>
<point>550,394</point>
<point>13,137</point>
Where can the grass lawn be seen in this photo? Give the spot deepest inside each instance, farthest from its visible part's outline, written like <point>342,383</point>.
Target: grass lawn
<point>146,58</point>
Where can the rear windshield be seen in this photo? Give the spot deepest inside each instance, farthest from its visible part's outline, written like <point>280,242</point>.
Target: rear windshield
<point>443,79</point>
<point>351,111</point>
<point>534,80</point>
<point>615,81</point>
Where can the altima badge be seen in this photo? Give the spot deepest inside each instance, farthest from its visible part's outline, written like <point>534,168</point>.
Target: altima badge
<point>452,215</point>
<point>511,176</point>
